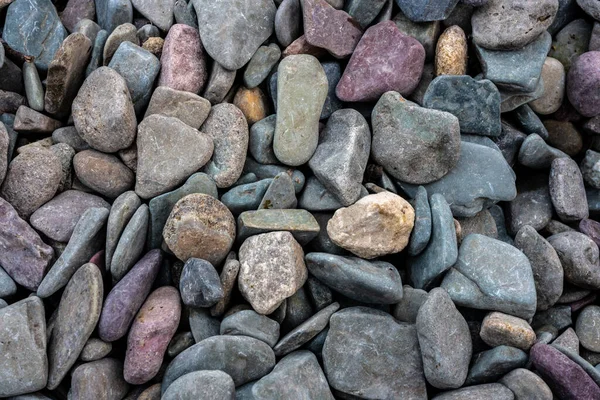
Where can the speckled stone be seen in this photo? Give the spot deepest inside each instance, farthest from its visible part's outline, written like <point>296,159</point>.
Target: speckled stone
<point>95,349</point>
<point>451,52</point>
<point>300,223</point>
<point>154,45</point>
<point>253,103</point>
<point>554,77</point>
<point>572,41</point>
<point>159,12</point>
<point>104,173</point>
<point>567,191</point>
<point>270,171</point>
<point>583,83</point>
<point>587,328</point>
<point>498,329</point>
<point>30,121</point>
<point>185,13</point>
<point>102,379</point>
<point>579,258</point>
<point>123,33</point>
<point>261,140</point>
<point>200,285</point>
<point>490,365</point>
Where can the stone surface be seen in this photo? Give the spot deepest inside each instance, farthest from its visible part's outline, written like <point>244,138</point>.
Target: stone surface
<point>572,41</point>
<point>537,154</point>
<point>583,82</point>
<point>30,121</point>
<point>426,33</point>
<point>564,136</point>
<point>188,107</point>
<point>451,52</point>
<point>487,391</point>
<point>579,258</point>
<point>253,103</point>
<point>33,86</point>
<point>421,233</point>
<point>215,385</point>
<point>590,169</point>
<point>131,243</point>
<point>123,33</point>
<point>567,191</point>
<point>95,349</point>
<point>121,212</point>
<point>300,223</point>
<point>104,173</point>
<point>112,13</point>
<point>75,11</point>
<point>219,83</point>
<point>419,11</point>
<point>382,49</point>
<point>588,328</point>
<point>246,197</point>
<point>159,12</point>
<point>249,323</point>
<point>199,284</point>
<point>261,64</point>
<point>526,385</point>
<point>498,329</point>
<point>490,365</point>
<point>102,379</point>
<point>288,22</point>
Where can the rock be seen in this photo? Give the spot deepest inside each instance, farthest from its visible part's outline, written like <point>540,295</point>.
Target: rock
<point>426,143</point>
<point>95,349</point>
<point>99,379</point>
<point>75,11</point>
<point>261,140</point>
<point>65,154</point>
<point>112,13</point>
<point>375,225</point>
<point>246,197</point>
<point>270,171</point>
<point>127,296</point>
<point>31,121</point>
<point>215,385</point>
<point>490,365</point>
<point>364,12</point>
<point>183,63</point>
<point>200,285</point>
<point>150,334</point>
<point>536,153</point>
<point>31,180</point>
<point>532,206</point>
<point>498,329</point>
<point>360,335</point>
<point>70,136</point>
<point>406,310</point>
<point>300,223</point>
<point>228,279</point>
<point>232,31</point>
<point>123,33</point>
<point>568,340</point>
<point>494,391</point>
<point>7,285</point>
<point>571,42</point>
<point>280,194</point>
<point>23,363</point>
<point>33,28</point>
<point>579,257</point>
<point>422,12</point>
<point>33,86</point>
<point>298,77</point>
<point>381,50</point>
<point>564,136</point>
<point>288,22</point>
<point>200,226</point>
<point>451,52</point>
<point>261,64</point>
<point>590,228</point>
<point>228,128</point>
<point>185,13</point>
<point>78,313</point>
<point>526,385</point>
<point>131,243</point>
<point>160,13</point>
<point>104,173</point>
<point>567,191</point>
<point>179,343</point>
<point>219,83</point>
<point>166,161</point>
<point>527,22</point>
<point>583,82</point>
<point>57,218</point>
<point>421,233</point>
<point>202,324</point>
<point>154,45</point>
<point>426,33</point>
<point>88,28</point>
<point>587,328</point>
<point>103,112</point>
<point>253,103</point>
<point>590,169</point>
<point>249,323</point>
<point>121,212</point>
<point>97,52</point>
<point>188,107</point>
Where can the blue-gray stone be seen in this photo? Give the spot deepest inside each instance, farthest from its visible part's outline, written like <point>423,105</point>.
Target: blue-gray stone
<point>529,121</point>
<point>568,10</point>
<point>593,199</point>
<point>246,197</point>
<point>33,28</point>
<point>202,324</point>
<point>558,317</point>
<point>252,324</point>
<point>131,243</point>
<point>112,13</point>
<point>245,179</point>
<point>476,104</point>
<point>532,206</point>
<point>33,86</point>
<point>492,275</point>
<point>498,214</point>
<point>421,11</point>
<point>375,282</point>
<point>7,285</point>
<point>9,121</point>
<point>572,41</point>
<point>316,197</point>
<point>579,258</point>
<point>516,70</point>
<point>288,22</point>
<point>261,140</point>
<point>300,223</point>
<point>509,142</point>
<point>320,294</point>
<point>97,52</point>
<point>185,13</point>
<point>407,309</point>
<point>261,64</point>
<point>298,309</point>
<point>364,11</point>
<point>139,68</point>
<point>426,33</point>
<point>421,232</point>
<point>200,285</point>
<point>442,250</point>
<point>147,31</point>
<point>509,101</point>
<point>270,171</point>
<point>316,344</point>
<point>215,385</point>
<point>322,242</point>
<point>88,28</point>
<point>280,194</point>
<point>567,190</point>
<point>491,365</point>
<point>537,154</point>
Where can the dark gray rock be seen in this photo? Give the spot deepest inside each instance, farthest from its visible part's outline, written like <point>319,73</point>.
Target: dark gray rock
<point>97,52</point>
<point>7,285</point>
<point>588,328</point>
<point>219,83</point>
<point>202,324</point>
<point>509,142</point>
<point>320,294</point>
<point>246,197</point>
<point>558,317</point>
<point>421,233</point>
<point>95,349</point>
<point>250,323</point>
<point>419,11</point>
<point>261,140</point>
<point>11,80</point>
<point>529,121</point>
<point>536,153</point>
<point>33,86</point>
<point>270,171</point>
<point>408,308</point>
<point>112,13</point>
<point>333,71</point>
<point>184,13</point>
<point>131,243</point>
<point>294,310</point>
<point>490,365</point>
<point>179,343</point>
<point>532,206</point>
<point>280,194</point>
<point>323,242</point>
<point>364,12</point>
<point>316,197</point>
<point>567,190</point>
<point>526,385</point>
<point>200,285</point>
<point>426,33</point>
<point>214,385</point>
<point>261,64</point>
<point>288,22</point>
<point>567,11</point>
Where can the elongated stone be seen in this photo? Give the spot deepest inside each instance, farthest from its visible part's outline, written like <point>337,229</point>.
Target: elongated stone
<point>121,212</point>
<point>490,365</point>
<point>103,173</point>
<point>567,190</point>
<point>499,329</point>
<point>261,64</point>
<point>300,223</point>
<point>33,86</point>
<point>219,83</point>
<point>97,52</point>
<point>131,243</point>
<point>270,171</point>
<point>421,234</point>
<point>288,22</point>
<point>123,33</point>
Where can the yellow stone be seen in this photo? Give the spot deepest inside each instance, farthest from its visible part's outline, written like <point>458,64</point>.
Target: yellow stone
<point>500,329</point>
<point>253,103</point>
<point>154,45</point>
<point>451,52</point>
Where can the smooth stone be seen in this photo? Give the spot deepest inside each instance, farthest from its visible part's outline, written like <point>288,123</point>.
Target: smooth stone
<point>188,107</point>
<point>23,360</point>
<point>583,81</point>
<point>547,270</point>
<point>527,22</point>
<point>57,218</point>
<point>89,29</point>
<point>123,33</point>
<point>65,154</point>
<point>590,7</point>
<point>322,242</point>
<point>104,173</point>
<point>407,309</point>
<point>590,228</point>
<point>75,11</point>
<point>567,190</point>
<point>568,340</point>
<point>166,161</point>
<point>444,340</point>
<point>584,364</point>
<point>270,171</point>
<point>588,328</point>
<point>4,151</point>
<point>572,41</point>
<point>8,122</point>
<point>364,12</point>
<point>558,317</point>
<point>202,324</point>
<point>595,37</point>
<point>298,76</point>
<point>418,11</point>
<point>131,243</point>
<point>498,329</point>
<point>358,335</point>
<point>214,385</point>
<point>261,140</point>
<point>33,86</point>
<point>426,33</point>
<point>476,104</point>
<point>579,258</point>
<point>184,13</point>
<point>489,366</point>
<point>537,154</point>
<point>33,28</point>
<point>567,11</point>
<point>102,379</point>
<point>482,223</point>
<point>112,13</point>
<point>414,144</point>
<point>294,311</point>
<point>280,194</point>
<point>382,49</point>
<point>200,285</point>
<point>526,385</point>
<point>261,64</point>
<point>319,294</point>
<point>244,358</point>
<point>232,31</point>
<point>288,22</point>
<point>228,278</point>
<point>301,46</point>
<point>30,121</point>
<point>511,101</point>
<point>228,128</point>
<point>78,313</point>
<point>421,233</point>
<point>8,287</point>
<point>183,62</point>
<point>97,52</point>
<point>103,111</point>
<point>95,349</point>
<point>564,136</point>
<point>333,71</point>
<point>494,391</point>
<point>159,12</point>
<point>121,212</point>
<point>10,102</point>
<point>219,83</point>
<point>300,223</point>
<point>147,31</point>
<point>249,323</point>
<point>179,343</point>
<point>246,197</point>
<point>590,169</point>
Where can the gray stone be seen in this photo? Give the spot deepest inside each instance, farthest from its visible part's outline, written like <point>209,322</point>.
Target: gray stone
<point>112,13</point>
<point>87,27</point>
<point>123,33</point>
<point>358,335</point>
<point>219,83</point>
<point>121,212</point>
<point>494,391</point>
<point>407,309</point>
<point>567,191</point>
<point>316,197</point>
<point>249,323</point>
<point>33,86</point>
<point>103,173</point>
<point>567,11</point>
<point>323,242</point>
<point>333,71</point>
<point>86,240</point>
<point>569,340</point>
<point>420,12</point>
<point>280,194</point>
<point>300,223</point>
<point>558,317</point>
<point>102,379</point>
<point>185,13</point>
<point>588,328</point>
<point>97,52</point>
<point>65,154</point>
<point>426,33</point>
<point>532,206</point>
<point>7,285</point>
<point>214,385</point>
<point>364,12</point>
<point>200,285</point>
<point>31,121</point>
<point>511,100</point>
<point>590,169</point>
<point>529,121</point>
<point>147,31</point>
<point>202,324</point>
<point>294,311</point>
<point>11,77</point>
<point>95,349</point>
<point>526,385</point>
<point>188,107</point>
<point>490,365</point>
<point>536,153</point>
<point>572,41</point>
<point>261,64</point>
<point>270,171</point>
<point>4,148</point>
<point>288,22</point>
<point>228,278</point>
<point>131,243</point>
<point>10,101</point>
<point>159,12</point>
<point>553,74</point>
<point>261,140</point>
<point>246,197</point>
<point>482,223</point>
<point>419,237</point>
<point>179,343</point>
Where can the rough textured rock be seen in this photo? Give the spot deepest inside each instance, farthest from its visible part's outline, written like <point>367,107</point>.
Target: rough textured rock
<point>123,33</point>
<point>102,379</point>
<point>451,52</point>
<point>28,120</point>
<point>490,365</point>
<point>498,329</point>
<point>567,191</point>
<point>583,82</point>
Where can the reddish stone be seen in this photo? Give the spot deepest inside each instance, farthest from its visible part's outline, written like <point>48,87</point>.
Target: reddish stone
<point>583,84</point>
<point>301,46</point>
<point>384,60</point>
<point>590,228</point>
<point>75,11</point>
<point>98,260</point>
<point>183,61</point>
<point>331,29</point>
<point>586,301</point>
<point>567,379</point>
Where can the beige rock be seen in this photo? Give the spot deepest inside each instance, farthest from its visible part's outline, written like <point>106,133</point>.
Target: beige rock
<point>451,52</point>
<point>500,329</point>
<point>374,226</point>
<point>253,103</point>
<point>154,45</point>
<point>553,75</point>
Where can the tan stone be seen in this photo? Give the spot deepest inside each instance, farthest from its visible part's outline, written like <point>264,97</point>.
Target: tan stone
<point>553,72</point>
<point>500,329</point>
<point>253,103</point>
<point>451,52</point>
<point>154,45</point>
<point>374,226</point>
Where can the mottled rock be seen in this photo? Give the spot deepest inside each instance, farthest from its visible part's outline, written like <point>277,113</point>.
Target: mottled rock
<point>75,11</point>
<point>112,13</point>
<point>199,284</point>
<point>583,81</point>
<point>102,379</point>
<point>261,64</point>
<point>588,328</point>
<point>253,103</point>
<point>567,191</point>
<point>104,173</point>
<point>426,33</point>
<point>451,52</point>
<point>536,153</point>
<point>498,329</point>
<point>121,212</point>
<point>188,107</point>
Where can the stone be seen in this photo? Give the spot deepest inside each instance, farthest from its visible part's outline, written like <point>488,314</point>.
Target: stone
<point>65,154</point>
<point>590,169</point>
<point>215,385</point>
<point>249,323</point>
<point>547,270</point>
<point>200,226</point>
<point>33,28</point>
<point>112,13</point>
<point>88,28</point>
<point>166,161</point>
<point>99,379</point>
<point>148,31</point>
<point>572,41</point>
<point>298,77</point>
<point>31,121</point>
<point>243,358</point>
<point>482,223</point>
<point>451,52</point>
<point>184,13</point>
<point>564,136</point>
<point>188,107</point>
<point>33,86</point>
<point>150,334</point>
<point>75,11</point>
<point>301,46</point>
<point>536,153</point>
<point>490,365</point>
<point>127,296</point>
<point>183,63</point>
<point>406,310</point>
<point>494,391</point>
<point>426,33</point>
<point>57,218</point>
<point>10,102</point>
<point>202,324</point>
<point>232,31</point>
<point>358,334</point>
<point>590,228</point>
<point>154,45</point>
<point>7,285</point>
<point>219,83</point>
<point>179,343</point>
<point>414,144</point>
<point>95,349</point>
<point>104,173</point>
<point>228,128</point>
<point>123,208</point>
<point>23,361</point>
<point>579,258</point>
<point>587,328</point>
<point>567,191</point>
<point>97,52</point>
<point>476,104</point>
<point>32,179</point>
<point>333,71</point>
<point>526,385</point>
<point>66,73</point>
<point>253,103</point>
<point>300,223</point>
<point>591,8</point>
<point>288,22</point>
<point>261,64</point>
<point>228,278</point>
<point>246,197</point>
<point>200,285</point>
<point>568,340</point>
<point>103,111</point>
<point>160,13</point>
<point>421,233</point>
<point>131,243</point>
<point>260,142</point>
<point>421,12</point>
<point>78,313</point>
<point>123,33</point>
<point>527,22</point>
<point>382,49</point>
<point>583,81</point>
<point>498,329</point>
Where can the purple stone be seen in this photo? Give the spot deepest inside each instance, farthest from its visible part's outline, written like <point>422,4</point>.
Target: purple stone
<point>567,379</point>
<point>590,228</point>
<point>583,84</point>
<point>385,59</point>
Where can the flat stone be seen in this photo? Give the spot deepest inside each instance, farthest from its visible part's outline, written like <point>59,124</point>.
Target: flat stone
<point>123,33</point>
<point>382,49</point>
<point>288,22</point>
<point>215,385</point>
<point>246,197</point>
<point>301,46</point>
<point>23,361</point>
<point>131,243</point>
<point>529,121</point>
<point>104,173</point>
<point>421,12</point>
<point>188,107</point>
<point>103,111</point>
<point>426,143</point>
<point>219,83</point>
<point>498,329</point>
<point>270,171</point>
<point>513,100</point>
<point>557,317</point>
<point>97,52</point>
<point>127,296</point>
<point>112,13</point>
<point>95,349</point>
<point>57,218</point>
<point>490,365</point>
<point>78,313</point>
<point>426,33</point>
<point>360,335</point>
<point>587,328</point>
<point>261,64</point>
<point>300,223</point>
<point>159,12</point>
<point>494,391</point>
<point>121,212</point>
<point>33,86</point>
<point>406,310</point>
<point>526,385</point>
<point>571,41</point>
<point>280,194</point>
<point>99,379</point>
<point>567,191</point>
<point>583,81</point>
<point>232,31</point>
<point>31,121</point>
<point>75,11</point>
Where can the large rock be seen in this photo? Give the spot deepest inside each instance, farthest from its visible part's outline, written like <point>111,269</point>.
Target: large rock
<point>583,82</point>
<point>213,385</point>
<point>131,243</point>
<point>159,12</point>
<point>300,223</point>
<point>102,379</point>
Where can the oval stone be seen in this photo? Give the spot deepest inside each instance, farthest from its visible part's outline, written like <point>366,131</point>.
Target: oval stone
<point>104,173</point>
<point>214,385</point>
<point>583,84</point>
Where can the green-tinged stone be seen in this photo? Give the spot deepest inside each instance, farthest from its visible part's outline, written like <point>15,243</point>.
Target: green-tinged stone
<point>300,223</point>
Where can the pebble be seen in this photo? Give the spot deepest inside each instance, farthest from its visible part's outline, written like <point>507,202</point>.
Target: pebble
<point>246,197</point>
<point>249,323</point>
<point>498,329</point>
<point>184,13</point>
<point>179,343</point>
<point>382,49</point>
<point>536,153</point>
<point>131,243</point>
<point>588,328</point>
<point>300,223</point>
<point>414,144</point>
<point>33,86</point>
<point>590,169</point>
<point>123,33</point>
<point>75,11</point>
<point>146,32</point>
<point>65,154</point>
<point>89,29</point>
<point>490,365</point>
<point>188,107</point>
<point>7,285</point>
<point>579,258</point>
<point>288,22</point>
<point>567,190</point>
<point>112,13</point>
<point>150,334</point>
<point>451,52</point>
<point>253,103</point>
<point>233,30</point>
<point>30,121</point>
<point>103,111</point>
<point>97,52</point>
<point>183,62</point>
<point>421,233</point>
<point>121,212</point>
<point>564,136</point>
<point>444,340</point>
<point>422,12</point>
<point>572,41</point>
<point>494,391</point>
<point>166,161</point>
<point>202,324</point>
<point>200,285</point>
<point>154,45</point>
<point>260,142</point>
<point>160,13</point>
<point>426,33</point>
<point>95,349</point>
<point>568,340</point>
<point>77,316</point>
<point>271,269</point>
<point>200,226</point>
<point>406,310</point>
<point>583,81</point>
<point>526,385</point>
<point>590,228</point>
<point>219,83</point>
<point>99,379</point>
<point>261,64</point>
<point>216,385</point>
<point>103,173</point>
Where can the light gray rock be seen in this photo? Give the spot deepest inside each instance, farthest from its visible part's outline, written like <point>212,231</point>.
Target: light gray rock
<point>567,190</point>
<point>121,212</point>
<point>131,243</point>
<point>159,12</point>
<point>188,107</point>
<point>213,385</point>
